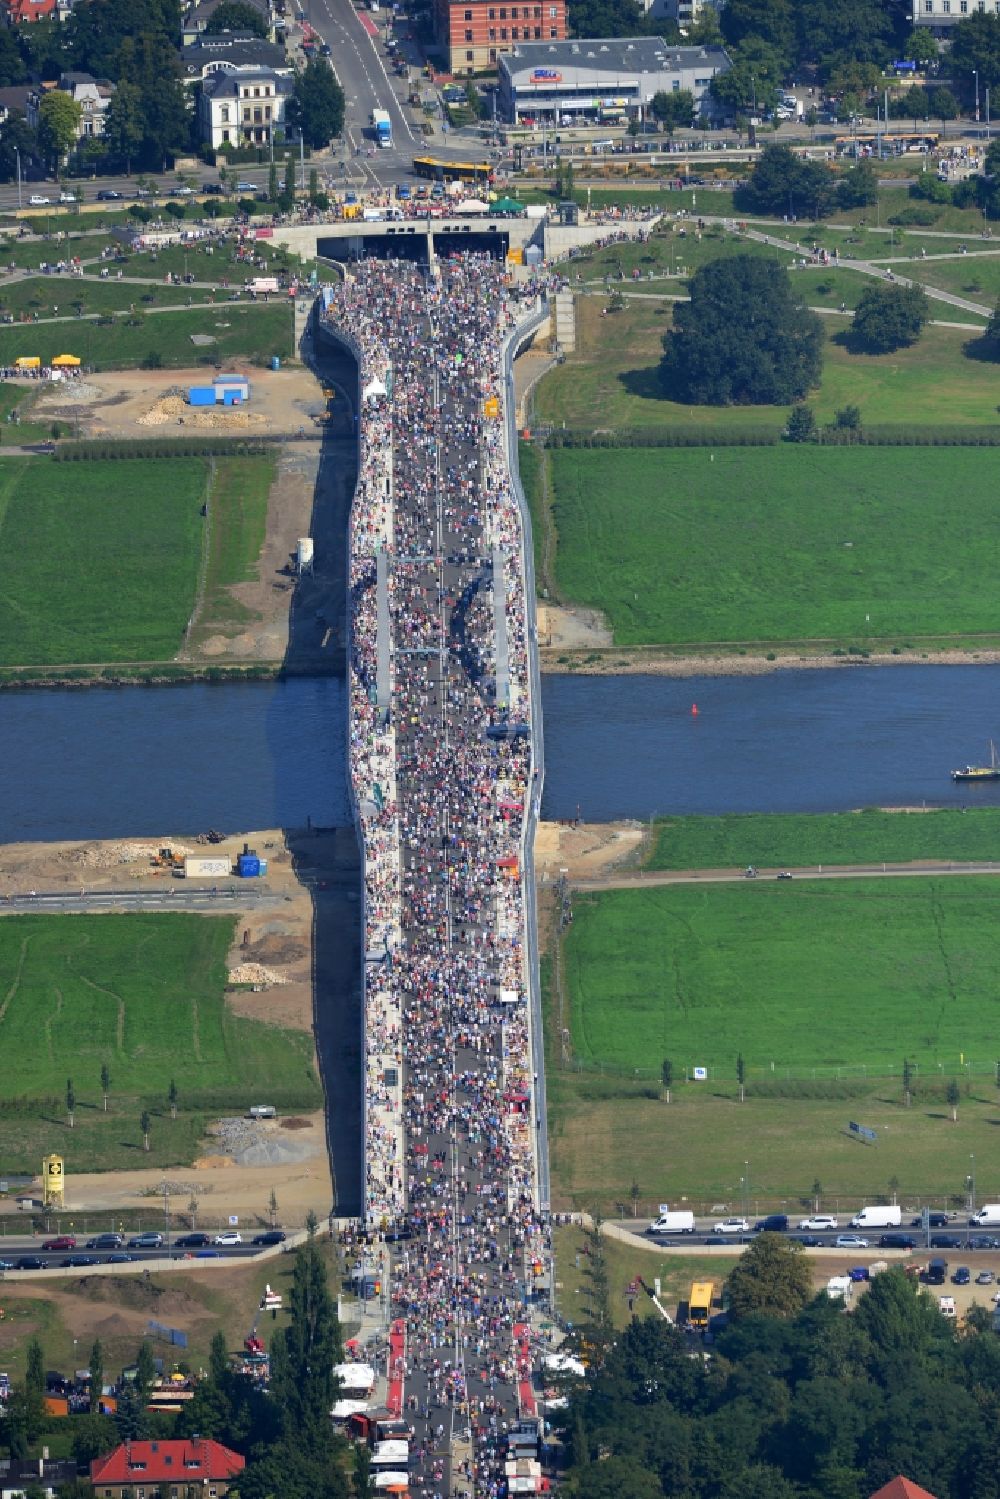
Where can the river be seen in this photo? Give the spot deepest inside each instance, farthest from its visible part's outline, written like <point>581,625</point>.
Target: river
<point>149,761</point>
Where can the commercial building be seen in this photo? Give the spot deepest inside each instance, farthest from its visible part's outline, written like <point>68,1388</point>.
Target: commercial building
<point>475,33</point>
<point>243,109</point>
<point>939,16</point>
<point>602,82</point>
<point>144,1470</point>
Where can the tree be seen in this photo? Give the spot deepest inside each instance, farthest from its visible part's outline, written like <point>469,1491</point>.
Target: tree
<point>817,1193</point>
<point>105,1084</point>
<point>675,110</point>
<point>288,191</point>
<point>145,1370</point>
<point>667,1075</point>
<point>272,1207</point>
<point>889,317</point>
<point>771,1277</point>
<point>317,104</point>
<point>131,1417</point>
<point>741,1075</point>
<point>894,1188</point>
<point>303,1355</point>
<point>635,1193</point>
<point>907,1080</point>
<point>606,18</point>
<point>743,338</point>
<point>858,186</point>
<point>92,1435</point>
<point>921,47</point>
<point>172,1094</point>
<point>96,1363</point>
<point>783,182</point>
<point>975,49</point>
<point>12,68</point>
<point>841,31</point>
<point>769,21</point>
<point>944,105</point>
<point>954,1097</point>
<point>847,419</point>
<point>58,122</point>
<point>34,1372</point>
<point>152,65</point>
<point>753,81</point>
<point>124,124</point>
<point>233,15</point>
<point>801,424</point>
<point>144,1124</point>
<point>17,139</point>
<point>70,1102</point>
<point>272,183</point>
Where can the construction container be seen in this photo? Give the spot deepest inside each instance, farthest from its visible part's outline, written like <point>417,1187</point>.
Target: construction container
<point>305,554</point>
<point>199,867</point>
<point>201,395</point>
<point>248,866</point>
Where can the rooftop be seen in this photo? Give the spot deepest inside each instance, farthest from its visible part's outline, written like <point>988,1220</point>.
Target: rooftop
<point>178,1462</point>
<point>640,54</point>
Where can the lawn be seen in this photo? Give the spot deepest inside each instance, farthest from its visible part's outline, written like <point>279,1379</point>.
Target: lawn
<point>850,973</point>
<point>237,520</point>
<point>623,1263</point>
<point>613,378</point>
<point>144,994</point>
<point>685,546</point>
<point>57,296</point>
<point>974,276</point>
<point>247,331</point>
<point>98,560</point>
<point>800,840</point>
<point>30,253</point>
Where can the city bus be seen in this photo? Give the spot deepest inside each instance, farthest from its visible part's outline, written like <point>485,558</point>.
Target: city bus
<point>477,173</point>
<point>700,1303</point>
<point>867,142</point>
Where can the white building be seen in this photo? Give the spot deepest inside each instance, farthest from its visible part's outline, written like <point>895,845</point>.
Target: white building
<point>243,109</point>
<point>941,15</point>
<point>92,94</point>
<point>602,81</point>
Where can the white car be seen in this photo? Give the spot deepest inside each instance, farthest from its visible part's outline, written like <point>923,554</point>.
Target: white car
<point>38,201</point>
<point>850,1241</point>
<point>67,197</point>
<point>819,1221</point>
<point>731,1226</point>
<point>228,1240</point>
<point>183,192</point>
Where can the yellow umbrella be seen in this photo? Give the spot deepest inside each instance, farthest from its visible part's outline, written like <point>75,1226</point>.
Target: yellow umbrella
<point>65,359</point>
<point>28,362</point>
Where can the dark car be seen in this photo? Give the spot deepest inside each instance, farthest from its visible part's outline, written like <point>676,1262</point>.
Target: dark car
<point>78,1261</point>
<point>30,1262</point>
<point>774,1223</point>
<point>108,195</point>
<point>962,1276</point>
<point>808,1241</point>
<point>191,1241</point>
<point>947,1241</point>
<point>273,1236</point>
<point>106,1241</point>
<point>64,1241</point>
<point>121,1259</point>
<point>213,189</point>
<point>935,1220</point>
<point>897,1241</point>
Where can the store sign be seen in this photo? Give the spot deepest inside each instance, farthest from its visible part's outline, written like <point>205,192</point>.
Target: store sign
<point>546,75</point>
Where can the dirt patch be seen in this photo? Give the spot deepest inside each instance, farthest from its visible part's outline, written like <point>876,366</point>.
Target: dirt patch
<point>562,629</point>
<point>586,850</point>
<point>295,1123</point>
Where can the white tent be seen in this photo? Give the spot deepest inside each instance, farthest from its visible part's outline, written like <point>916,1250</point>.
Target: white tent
<point>472,205</point>
<point>374,388</point>
<point>355,1377</point>
<point>564,1363</point>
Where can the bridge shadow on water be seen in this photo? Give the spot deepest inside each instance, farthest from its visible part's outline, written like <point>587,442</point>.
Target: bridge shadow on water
<point>327,858</point>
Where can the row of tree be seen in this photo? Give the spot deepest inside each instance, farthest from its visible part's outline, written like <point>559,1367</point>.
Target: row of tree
<point>798,1400</point>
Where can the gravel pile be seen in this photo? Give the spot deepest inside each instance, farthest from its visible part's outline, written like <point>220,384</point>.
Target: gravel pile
<point>170,408</point>
<point>77,390</point>
<point>255,973</point>
<point>251,1143</point>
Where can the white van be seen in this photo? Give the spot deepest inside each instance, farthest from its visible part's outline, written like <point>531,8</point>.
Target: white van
<point>672,1223</point>
<point>988,1216</point>
<point>879,1217</point>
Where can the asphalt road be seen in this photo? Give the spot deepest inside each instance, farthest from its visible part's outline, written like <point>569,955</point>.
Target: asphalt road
<point>643,879</point>
<point>957,1229</point>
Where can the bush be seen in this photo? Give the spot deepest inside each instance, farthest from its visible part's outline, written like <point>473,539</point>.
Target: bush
<point>889,317</point>
<point>153,360</point>
<point>915,216</point>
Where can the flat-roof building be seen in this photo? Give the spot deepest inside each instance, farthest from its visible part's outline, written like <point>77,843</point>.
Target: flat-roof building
<point>474,33</point>
<point>602,81</point>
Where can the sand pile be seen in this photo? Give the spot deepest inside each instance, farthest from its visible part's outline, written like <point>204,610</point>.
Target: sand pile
<point>255,973</point>
<point>108,855</point>
<point>171,409</point>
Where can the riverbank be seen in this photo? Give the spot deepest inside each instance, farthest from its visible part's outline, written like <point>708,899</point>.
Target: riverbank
<point>606,661</point>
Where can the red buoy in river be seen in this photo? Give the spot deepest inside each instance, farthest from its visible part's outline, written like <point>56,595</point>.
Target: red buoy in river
<point>694,710</point>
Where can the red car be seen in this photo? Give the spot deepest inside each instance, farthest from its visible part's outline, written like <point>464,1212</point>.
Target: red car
<point>64,1241</point>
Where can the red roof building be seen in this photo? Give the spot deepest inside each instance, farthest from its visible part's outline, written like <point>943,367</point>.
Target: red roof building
<point>902,1488</point>
<point>140,1470</point>
<point>30,10</point>
<point>474,32</point>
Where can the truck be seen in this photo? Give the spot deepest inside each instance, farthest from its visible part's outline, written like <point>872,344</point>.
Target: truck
<point>988,1216</point>
<point>382,125</point>
<point>700,1300</point>
<point>881,1217</point>
<point>672,1223</point>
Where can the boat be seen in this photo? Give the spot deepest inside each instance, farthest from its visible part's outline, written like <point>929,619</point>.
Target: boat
<point>989,772</point>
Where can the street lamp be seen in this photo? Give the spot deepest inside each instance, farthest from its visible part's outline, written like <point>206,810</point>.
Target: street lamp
<point>972,1180</point>
<point>975,74</point>
<point>18,155</point>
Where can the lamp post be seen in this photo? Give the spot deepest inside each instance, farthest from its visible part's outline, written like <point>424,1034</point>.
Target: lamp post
<point>975,74</point>
<point>18,156</point>
<point>972,1181</point>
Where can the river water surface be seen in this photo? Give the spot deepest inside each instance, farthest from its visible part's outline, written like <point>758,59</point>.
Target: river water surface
<point>147,761</point>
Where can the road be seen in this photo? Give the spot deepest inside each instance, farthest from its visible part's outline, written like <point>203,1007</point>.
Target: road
<point>644,879</point>
<point>957,1233</point>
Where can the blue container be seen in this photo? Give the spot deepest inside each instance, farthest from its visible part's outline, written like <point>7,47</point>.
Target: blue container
<point>275,362</point>
<point>201,395</point>
<point>248,866</point>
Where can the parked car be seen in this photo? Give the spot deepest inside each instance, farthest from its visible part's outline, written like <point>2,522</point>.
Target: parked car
<point>860,1272</point>
<point>818,1221</point>
<point>273,1236</point>
<point>962,1276</point>
<point>106,1241</point>
<point>783,874</point>
<point>985,1278</point>
<point>229,1239</point>
<point>731,1226</point>
<point>850,1241</point>
<point>192,1241</point>
<point>38,200</point>
<point>145,1241</point>
<point>64,1241</point>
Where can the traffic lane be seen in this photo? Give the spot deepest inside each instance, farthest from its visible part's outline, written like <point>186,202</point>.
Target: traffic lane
<point>964,1238</point>
<point>359,66</point>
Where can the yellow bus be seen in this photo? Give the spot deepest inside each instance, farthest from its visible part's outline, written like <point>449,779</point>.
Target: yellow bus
<point>477,173</point>
<point>700,1303</point>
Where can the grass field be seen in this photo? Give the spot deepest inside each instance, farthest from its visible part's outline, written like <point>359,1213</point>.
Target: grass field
<point>802,976</point>
<point>238,517</point>
<point>246,331</point>
<point>100,562</point>
<point>622,1263</point>
<point>50,296</point>
<point>799,840</point>
<point>744,545</point>
<point>142,993</point>
<point>613,378</point>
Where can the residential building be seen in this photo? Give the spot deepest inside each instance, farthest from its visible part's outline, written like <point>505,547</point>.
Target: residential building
<point>92,94</point>
<point>901,1488</point>
<point>19,12</point>
<point>684,12</point>
<point>198,18</point>
<point>474,33</point>
<point>231,52</point>
<point>602,82</point>
<point>14,100</point>
<point>941,15</point>
<point>16,1477</point>
<point>243,109</point>
<point>145,1470</point>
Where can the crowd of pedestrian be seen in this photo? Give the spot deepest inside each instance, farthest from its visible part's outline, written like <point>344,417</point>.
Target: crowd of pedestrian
<point>442,775</point>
